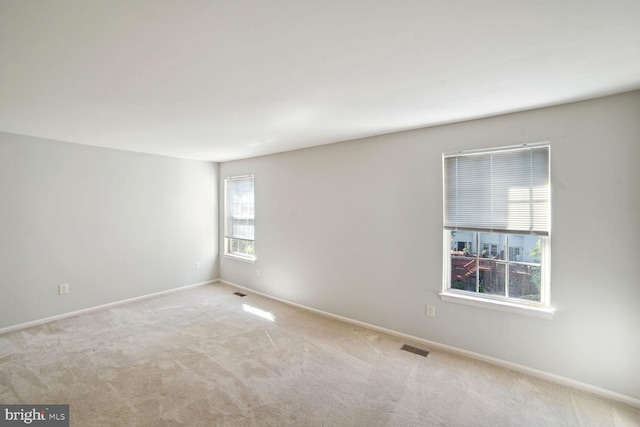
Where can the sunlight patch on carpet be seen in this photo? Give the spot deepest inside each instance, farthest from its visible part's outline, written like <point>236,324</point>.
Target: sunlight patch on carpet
<point>264,314</point>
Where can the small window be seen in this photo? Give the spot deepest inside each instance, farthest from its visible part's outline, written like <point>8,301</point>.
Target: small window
<point>497,225</point>
<point>239,227</point>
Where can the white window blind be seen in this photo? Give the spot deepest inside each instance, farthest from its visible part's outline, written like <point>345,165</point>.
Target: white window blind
<point>239,206</point>
<point>503,190</point>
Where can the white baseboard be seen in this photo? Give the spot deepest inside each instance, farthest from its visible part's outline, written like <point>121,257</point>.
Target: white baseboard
<point>98,307</point>
<point>557,379</point>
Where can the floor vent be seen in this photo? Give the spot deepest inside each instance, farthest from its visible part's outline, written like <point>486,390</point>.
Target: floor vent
<point>414,350</point>
<point>240,294</point>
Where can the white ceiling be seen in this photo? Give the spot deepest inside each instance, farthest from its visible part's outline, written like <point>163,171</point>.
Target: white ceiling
<point>230,79</point>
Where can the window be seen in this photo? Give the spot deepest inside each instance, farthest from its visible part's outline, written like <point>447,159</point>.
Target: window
<point>239,216</point>
<point>497,227</point>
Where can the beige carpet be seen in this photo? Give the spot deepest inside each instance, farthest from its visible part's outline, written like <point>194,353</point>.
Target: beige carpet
<point>206,357</point>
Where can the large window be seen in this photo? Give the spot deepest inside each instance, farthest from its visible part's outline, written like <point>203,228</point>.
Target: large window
<point>239,216</point>
<point>497,225</point>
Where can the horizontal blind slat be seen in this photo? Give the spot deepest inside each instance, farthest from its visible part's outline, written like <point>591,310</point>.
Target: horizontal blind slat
<point>239,207</point>
<point>505,190</point>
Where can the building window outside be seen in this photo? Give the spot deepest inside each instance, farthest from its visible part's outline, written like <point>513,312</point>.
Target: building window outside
<point>497,224</point>
<point>239,227</point>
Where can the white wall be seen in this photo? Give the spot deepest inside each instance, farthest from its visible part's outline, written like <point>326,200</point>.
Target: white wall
<point>355,229</point>
<point>112,224</point>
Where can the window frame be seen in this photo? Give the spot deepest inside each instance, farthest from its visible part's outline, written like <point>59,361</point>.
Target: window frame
<point>228,238</point>
<point>541,309</point>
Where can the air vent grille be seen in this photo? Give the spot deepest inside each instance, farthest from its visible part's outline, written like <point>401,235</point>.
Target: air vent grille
<point>414,350</point>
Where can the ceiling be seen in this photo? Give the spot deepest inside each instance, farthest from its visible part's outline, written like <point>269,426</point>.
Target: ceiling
<point>230,79</point>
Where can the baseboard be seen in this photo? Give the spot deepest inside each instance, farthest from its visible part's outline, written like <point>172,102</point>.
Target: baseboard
<point>557,379</point>
<point>98,307</point>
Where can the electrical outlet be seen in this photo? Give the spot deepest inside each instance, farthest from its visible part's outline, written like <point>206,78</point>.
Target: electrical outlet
<point>430,310</point>
<point>63,289</point>
<point>197,266</point>
<point>257,273</point>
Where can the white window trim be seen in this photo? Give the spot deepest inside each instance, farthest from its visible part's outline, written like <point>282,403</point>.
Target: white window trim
<point>498,305</point>
<point>540,310</point>
<point>240,258</point>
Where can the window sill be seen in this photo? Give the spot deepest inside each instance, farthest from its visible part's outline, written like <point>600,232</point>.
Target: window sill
<point>240,258</point>
<point>498,305</point>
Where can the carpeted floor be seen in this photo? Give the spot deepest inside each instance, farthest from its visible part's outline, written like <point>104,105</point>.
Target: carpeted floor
<point>206,357</point>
